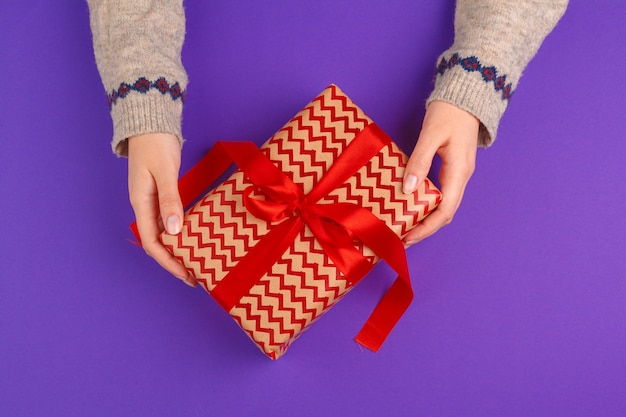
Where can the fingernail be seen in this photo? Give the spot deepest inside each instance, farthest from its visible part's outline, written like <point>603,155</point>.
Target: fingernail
<point>172,225</point>
<point>191,280</point>
<point>410,183</point>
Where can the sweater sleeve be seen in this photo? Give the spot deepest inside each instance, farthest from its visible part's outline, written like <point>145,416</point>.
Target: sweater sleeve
<point>137,45</point>
<point>493,42</point>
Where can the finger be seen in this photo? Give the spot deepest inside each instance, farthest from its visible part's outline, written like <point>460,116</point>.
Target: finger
<point>419,164</point>
<point>149,232</point>
<point>433,222</point>
<point>170,205</point>
<point>171,219</point>
<point>146,213</point>
<point>453,183</point>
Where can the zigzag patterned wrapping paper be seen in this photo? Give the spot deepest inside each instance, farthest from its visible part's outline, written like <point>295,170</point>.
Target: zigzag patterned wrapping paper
<point>218,231</point>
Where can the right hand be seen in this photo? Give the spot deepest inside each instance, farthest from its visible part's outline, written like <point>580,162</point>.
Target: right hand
<point>153,165</point>
<point>452,133</point>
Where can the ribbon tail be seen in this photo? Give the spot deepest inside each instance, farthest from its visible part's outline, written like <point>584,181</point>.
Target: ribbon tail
<point>385,316</point>
<point>395,301</point>
<point>386,244</point>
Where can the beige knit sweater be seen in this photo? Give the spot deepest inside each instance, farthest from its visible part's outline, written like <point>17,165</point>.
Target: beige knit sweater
<point>138,45</point>
<point>493,42</point>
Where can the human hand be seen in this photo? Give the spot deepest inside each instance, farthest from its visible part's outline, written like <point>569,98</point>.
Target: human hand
<point>451,133</point>
<point>153,165</point>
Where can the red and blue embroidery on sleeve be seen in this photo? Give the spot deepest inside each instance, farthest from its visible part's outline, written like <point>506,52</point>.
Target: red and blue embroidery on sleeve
<point>472,64</point>
<point>143,85</point>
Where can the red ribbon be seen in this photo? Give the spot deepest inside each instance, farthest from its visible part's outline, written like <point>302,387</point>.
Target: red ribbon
<point>335,225</point>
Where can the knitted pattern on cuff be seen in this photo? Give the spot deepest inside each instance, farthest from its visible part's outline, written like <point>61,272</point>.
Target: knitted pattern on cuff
<point>479,89</point>
<point>143,85</point>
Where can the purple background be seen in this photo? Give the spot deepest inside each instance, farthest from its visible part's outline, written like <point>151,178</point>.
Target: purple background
<point>519,307</point>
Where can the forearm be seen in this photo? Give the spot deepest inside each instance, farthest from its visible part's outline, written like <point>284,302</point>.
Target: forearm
<point>138,45</point>
<point>494,41</point>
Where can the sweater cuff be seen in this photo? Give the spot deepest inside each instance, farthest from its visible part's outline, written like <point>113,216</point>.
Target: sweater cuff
<point>139,113</point>
<point>470,86</point>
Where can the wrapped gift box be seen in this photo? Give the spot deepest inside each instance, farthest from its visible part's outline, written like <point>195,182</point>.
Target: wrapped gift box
<point>277,258</point>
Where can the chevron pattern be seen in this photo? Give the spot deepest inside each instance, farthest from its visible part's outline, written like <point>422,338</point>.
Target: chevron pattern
<point>218,231</point>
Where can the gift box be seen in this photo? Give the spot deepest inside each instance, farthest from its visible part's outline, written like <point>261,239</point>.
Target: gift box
<point>300,222</point>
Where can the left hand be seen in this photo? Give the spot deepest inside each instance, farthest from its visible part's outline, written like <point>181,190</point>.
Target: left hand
<point>451,133</point>
<point>153,164</point>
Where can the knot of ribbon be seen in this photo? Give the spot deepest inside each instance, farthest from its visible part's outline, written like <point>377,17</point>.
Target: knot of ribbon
<point>291,205</point>
<point>275,208</point>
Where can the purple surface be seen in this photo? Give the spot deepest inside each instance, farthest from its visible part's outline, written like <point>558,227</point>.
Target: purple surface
<point>519,308</point>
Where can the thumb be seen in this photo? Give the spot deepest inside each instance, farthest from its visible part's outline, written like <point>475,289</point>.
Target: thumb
<point>170,205</point>
<point>418,166</point>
